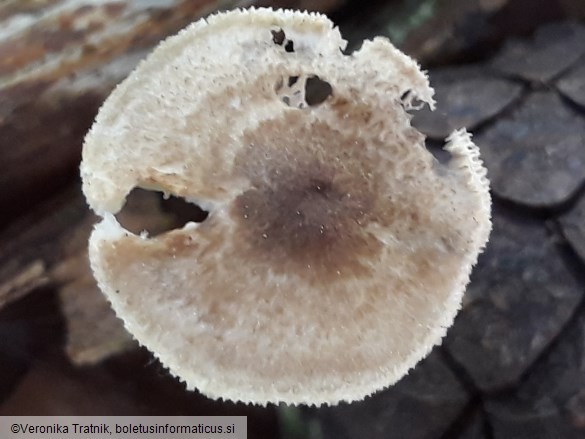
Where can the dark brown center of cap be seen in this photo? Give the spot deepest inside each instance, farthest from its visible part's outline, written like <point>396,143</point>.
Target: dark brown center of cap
<point>312,198</point>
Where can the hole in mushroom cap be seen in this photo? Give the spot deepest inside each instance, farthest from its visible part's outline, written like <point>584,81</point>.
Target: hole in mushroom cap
<point>302,91</point>
<point>154,213</point>
<point>317,90</point>
<point>278,36</point>
<point>184,211</point>
<point>410,101</point>
<point>406,95</point>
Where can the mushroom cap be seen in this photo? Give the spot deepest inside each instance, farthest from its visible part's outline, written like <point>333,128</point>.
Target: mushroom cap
<point>336,250</point>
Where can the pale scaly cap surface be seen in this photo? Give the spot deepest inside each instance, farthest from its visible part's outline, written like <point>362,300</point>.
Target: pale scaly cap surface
<point>337,249</point>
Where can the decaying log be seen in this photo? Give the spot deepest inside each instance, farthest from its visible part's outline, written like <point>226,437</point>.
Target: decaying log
<point>37,242</point>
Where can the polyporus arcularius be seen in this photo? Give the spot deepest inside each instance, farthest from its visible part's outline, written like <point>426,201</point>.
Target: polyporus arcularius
<point>336,250</point>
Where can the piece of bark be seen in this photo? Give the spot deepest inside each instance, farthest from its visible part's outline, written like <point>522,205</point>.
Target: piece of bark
<point>572,85</point>
<point>554,49</point>
<point>36,242</point>
<point>59,59</point>
<point>521,295</point>
<point>534,154</point>
<point>466,97</point>
<point>48,247</point>
<point>27,278</point>
<point>29,328</point>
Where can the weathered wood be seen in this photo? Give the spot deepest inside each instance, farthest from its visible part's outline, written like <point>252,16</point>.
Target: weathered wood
<point>32,246</point>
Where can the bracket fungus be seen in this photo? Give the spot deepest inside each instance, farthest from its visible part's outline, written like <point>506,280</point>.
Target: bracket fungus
<point>336,250</point>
